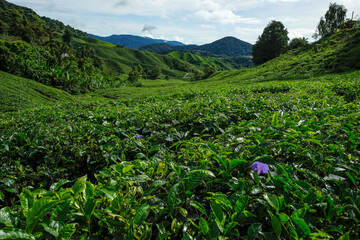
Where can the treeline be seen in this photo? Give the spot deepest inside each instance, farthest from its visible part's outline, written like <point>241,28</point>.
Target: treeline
<point>275,41</point>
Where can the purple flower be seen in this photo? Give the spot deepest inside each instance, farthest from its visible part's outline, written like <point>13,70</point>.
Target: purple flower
<point>138,136</point>
<point>239,98</point>
<point>260,167</point>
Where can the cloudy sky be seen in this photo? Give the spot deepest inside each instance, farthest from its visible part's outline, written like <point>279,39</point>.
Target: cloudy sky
<point>188,21</point>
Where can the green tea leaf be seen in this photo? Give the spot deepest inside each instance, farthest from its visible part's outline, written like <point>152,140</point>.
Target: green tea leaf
<point>345,237</point>
<point>89,190</point>
<point>6,217</point>
<point>241,203</point>
<point>276,224</point>
<point>236,162</point>
<point>220,161</point>
<point>199,207</point>
<point>79,186</point>
<point>68,230</point>
<point>141,214</point>
<point>351,178</point>
<point>217,211</point>
<point>171,197</point>
<point>332,177</point>
<point>61,212</point>
<point>14,233</point>
<point>317,142</point>
<point>272,200</point>
<point>58,184</point>
<point>284,218</point>
<point>201,172</point>
<point>222,200</point>
<point>109,192</point>
<point>37,211</point>
<point>301,224</point>
<point>203,225</point>
<point>89,207</point>
<point>26,200</point>
<point>53,227</point>
<point>275,120</point>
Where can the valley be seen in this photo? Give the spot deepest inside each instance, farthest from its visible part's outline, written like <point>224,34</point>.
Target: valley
<point>101,141</point>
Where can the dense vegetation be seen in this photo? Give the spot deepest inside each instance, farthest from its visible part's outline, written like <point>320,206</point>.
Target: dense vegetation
<point>135,42</point>
<point>49,52</point>
<point>270,152</point>
<point>271,43</point>
<point>227,46</point>
<point>179,163</point>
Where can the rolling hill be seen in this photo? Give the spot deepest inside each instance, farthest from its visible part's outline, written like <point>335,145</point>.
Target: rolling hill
<point>227,46</point>
<point>339,52</point>
<point>134,42</point>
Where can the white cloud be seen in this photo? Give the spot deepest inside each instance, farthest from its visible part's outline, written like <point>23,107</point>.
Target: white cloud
<point>301,32</point>
<point>207,26</point>
<point>178,38</point>
<point>248,34</point>
<point>195,21</point>
<point>224,17</point>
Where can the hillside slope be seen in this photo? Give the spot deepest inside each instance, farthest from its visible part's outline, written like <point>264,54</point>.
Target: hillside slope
<point>338,53</point>
<point>119,60</point>
<point>227,46</point>
<point>131,41</point>
<point>223,64</point>
<point>18,93</point>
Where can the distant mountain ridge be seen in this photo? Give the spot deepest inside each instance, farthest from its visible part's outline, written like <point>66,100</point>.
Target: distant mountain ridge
<point>134,42</point>
<point>227,46</point>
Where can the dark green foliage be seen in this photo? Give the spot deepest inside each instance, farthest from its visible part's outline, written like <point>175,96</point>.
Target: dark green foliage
<point>134,75</point>
<point>189,173</point>
<point>134,42</point>
<point>67,36</point>
<point>62,57</point>
<point>298,43</point>
<point>29,28</point>
<point>334,18</point>
<point>272,42</point>
<point>153,72</point>
<point>227,46</point>
<point>172,160</point>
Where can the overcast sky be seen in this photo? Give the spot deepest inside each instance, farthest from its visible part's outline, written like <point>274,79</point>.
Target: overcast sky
<point>188,21</point>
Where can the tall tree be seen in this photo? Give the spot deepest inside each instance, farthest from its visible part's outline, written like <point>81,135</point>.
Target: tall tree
<point>67,36</point>
<point>334,18</point>
<point>272,42</point>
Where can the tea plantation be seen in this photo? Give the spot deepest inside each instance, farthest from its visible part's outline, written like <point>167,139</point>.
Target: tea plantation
<point>172,160</point>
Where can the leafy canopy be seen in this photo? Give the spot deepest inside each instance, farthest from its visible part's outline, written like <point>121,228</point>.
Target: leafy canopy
<point>334,18</point>
<point>272,42</point>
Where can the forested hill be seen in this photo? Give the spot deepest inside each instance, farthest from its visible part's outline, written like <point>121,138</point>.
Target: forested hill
<point>49,52</point>
<point>227,46</point>
<point>131,41</point>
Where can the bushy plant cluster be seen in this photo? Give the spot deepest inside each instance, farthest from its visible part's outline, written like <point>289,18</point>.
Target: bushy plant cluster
<point>189,165</point>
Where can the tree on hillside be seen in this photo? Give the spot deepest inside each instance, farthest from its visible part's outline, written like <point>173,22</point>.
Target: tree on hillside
<point>67,36</point>
<point>134,75</point>
<point>153,72</point>
<point>272,42</point>
<point>297,43</point>
<point>334,18</point>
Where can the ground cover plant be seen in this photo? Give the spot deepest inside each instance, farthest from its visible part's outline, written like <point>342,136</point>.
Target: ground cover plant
<point>188,163</point>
